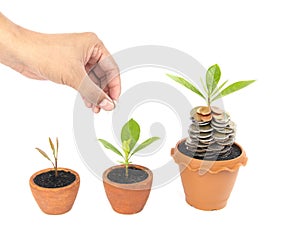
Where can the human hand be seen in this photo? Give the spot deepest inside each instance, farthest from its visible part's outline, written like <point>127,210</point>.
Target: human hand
<point>64,59</point>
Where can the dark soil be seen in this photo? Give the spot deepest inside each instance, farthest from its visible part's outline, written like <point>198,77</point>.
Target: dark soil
<point>135,175</point>
<point>48,179</point>
<point>235,152</point>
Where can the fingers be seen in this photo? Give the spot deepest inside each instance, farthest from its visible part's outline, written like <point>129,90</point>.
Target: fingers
<point>87,104</point>
<point>108,66</point>
<point>95,95</point>
<point>95,109</point>
<point>101,87</point>
<point>115,88</point>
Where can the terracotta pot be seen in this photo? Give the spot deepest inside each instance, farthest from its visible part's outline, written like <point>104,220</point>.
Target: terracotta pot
<point>55,200</point>
<point>127,198</point>
<point>207,184</point>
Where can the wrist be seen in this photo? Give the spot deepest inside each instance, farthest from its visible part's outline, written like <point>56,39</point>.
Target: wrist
<point>14,44</point>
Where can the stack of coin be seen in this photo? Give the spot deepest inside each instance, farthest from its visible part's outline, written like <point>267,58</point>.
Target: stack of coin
<point>211,133</point>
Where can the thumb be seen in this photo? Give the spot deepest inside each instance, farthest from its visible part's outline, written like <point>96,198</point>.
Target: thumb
<point>90,90</point>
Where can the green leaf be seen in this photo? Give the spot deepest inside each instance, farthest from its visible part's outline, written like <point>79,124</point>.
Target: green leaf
<point>126,147</point>
<point>219,88</point>
<point>145,144</point>
<point>109,146</point>
<point>233,88</point>
<point>43,153</point>
<point>52,146</point>
<point>204,86</point>
<point>213,76</point>
<point>186,84</point>
<point>130,131</point>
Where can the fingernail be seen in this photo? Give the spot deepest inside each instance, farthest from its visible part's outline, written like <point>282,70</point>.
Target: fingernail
<point>107,105</point>
<point>115,102</point>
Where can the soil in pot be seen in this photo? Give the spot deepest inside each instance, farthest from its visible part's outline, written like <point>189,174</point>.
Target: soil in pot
<point>235,152</point>
<point>135,175</point>
<point>49,180</point>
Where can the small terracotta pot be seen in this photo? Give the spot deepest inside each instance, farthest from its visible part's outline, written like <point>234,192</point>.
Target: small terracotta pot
<point>207,184</point>
<point>127,198</point>
<point>55,201</point>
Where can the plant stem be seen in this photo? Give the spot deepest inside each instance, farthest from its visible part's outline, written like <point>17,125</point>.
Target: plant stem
<point>126,169</point>
<point>126,161</point>
<point>55,167</point>
<point>208,101</point>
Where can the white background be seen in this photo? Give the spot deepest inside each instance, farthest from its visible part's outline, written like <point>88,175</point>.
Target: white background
<point>248,39</point>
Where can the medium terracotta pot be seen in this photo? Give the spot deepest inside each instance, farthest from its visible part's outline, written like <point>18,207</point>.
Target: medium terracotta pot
<point>207,184</point>
<point>55,201</point>
<point>127,198</point>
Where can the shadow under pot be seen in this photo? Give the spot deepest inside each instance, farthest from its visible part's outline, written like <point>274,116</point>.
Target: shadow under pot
<point>55,195</point>
<point>127,193</point>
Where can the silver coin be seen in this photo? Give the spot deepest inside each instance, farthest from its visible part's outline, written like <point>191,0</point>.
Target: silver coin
<point>225,150</point>
<point>219,125</point>
<point>206,128</point>
<point>199,123</point>
<point>206,141</point>
<point>216,110</point>
<point>225,130</point>
<point>191,141</point>
<point>193,135</point>
<point>194,128</point>
<point>202,144</point>
<point>222,119</point>
<point>232,125</point>
<point>220,136</point>
<point>216,147</point>
<point>205,135</point>
<point>224,141</point>
<point>228,142</point>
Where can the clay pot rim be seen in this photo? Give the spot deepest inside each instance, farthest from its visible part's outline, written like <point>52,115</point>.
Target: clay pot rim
<point>138,185</point>
<point>211,166</point>
<point>34,185</point>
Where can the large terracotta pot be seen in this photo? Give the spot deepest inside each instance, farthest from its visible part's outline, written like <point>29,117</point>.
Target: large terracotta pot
<point>127,198</point>
<point>55,201</point>
<point>207,184</point>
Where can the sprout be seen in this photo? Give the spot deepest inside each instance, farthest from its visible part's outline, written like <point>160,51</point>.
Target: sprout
<point>130,135</point>
<point>54,152</point>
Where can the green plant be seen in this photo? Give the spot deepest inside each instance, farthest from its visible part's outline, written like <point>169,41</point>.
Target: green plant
<point>212,91</point>
<point>54,152</point>
<point>130,135</point>
<point>211,133</point>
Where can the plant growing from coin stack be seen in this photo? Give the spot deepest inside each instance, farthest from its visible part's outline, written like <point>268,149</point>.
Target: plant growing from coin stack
<point>212,133</point>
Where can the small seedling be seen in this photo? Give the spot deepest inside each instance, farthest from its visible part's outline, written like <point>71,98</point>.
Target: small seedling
<point>212,91</point>
<point>54,152</point>
<point>130,135</point>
